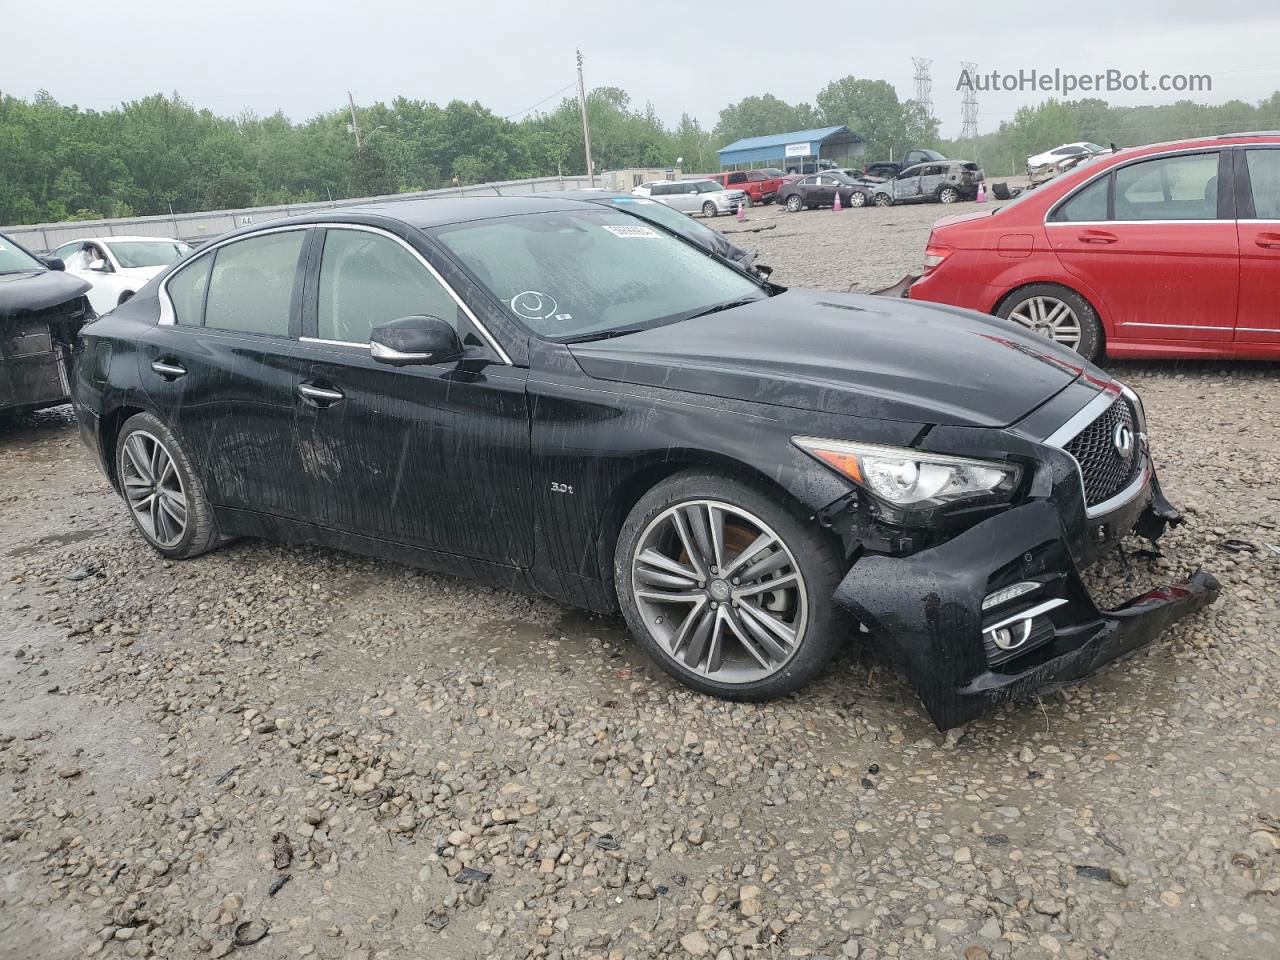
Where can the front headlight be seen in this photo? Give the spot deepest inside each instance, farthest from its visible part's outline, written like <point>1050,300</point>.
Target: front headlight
<point>907,477</point>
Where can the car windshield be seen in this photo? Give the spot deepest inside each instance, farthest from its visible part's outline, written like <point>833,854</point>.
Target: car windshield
<point>774,172</point>
<point>586,275</point>
<point>840,176</point>
<point>148,253</point>
<point>708,186</point>
<point>1094,148</point>
<point>15,260</point>
<point>932,155</point>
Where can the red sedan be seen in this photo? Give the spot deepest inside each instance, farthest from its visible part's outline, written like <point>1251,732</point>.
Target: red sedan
<point>1168,250</point>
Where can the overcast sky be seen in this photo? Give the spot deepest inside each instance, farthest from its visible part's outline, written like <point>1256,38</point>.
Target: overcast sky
<point>302,58</point>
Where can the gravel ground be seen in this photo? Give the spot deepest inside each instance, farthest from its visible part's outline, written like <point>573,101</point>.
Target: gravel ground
<point>351,759</point>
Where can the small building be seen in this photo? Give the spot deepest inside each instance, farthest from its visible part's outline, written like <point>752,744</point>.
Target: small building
<point>792,151</point>
<point>623,181</point>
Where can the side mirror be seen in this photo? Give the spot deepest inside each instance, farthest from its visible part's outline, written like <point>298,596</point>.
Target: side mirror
<point>99,266</point>
<point>54,263</point>
<point>411,340</point>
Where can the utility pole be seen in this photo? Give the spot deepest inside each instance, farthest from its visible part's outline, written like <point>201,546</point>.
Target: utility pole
<point>355,124</point>
<point>586,127</point>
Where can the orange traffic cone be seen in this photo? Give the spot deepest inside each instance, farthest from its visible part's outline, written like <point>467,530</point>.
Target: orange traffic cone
<point>836,205</point>
<point>742,210</point>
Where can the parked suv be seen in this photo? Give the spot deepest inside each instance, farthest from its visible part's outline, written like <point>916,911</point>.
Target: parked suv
<point>1167,250</point>
<point>891,168</point>
<point>759,185</point>
<point>693,196</point>
<point>945,182</point>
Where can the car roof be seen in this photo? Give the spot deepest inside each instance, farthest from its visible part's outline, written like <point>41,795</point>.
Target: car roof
<point>114,238</point>
<point>438,211</point>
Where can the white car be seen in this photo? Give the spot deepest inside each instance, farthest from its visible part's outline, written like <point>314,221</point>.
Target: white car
<point>693,196</point>
<point>118,267</point>
<point>1045,166</point>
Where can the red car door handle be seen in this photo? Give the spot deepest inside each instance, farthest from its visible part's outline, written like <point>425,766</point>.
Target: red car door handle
<point>1269,240</point>
<point>1097,236</point>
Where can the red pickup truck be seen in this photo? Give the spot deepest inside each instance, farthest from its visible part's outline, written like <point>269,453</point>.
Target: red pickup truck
<point>760,186</point>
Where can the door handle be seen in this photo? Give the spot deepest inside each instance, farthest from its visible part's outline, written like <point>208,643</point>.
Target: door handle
<point>1269,240</point>
<point>1097,236</point>
<point>170,371</point>
<point>320,396</point>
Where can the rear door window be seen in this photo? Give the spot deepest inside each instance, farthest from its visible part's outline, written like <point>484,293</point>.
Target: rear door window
<point>251,286</point>
<point>186,292</point>
<point>1168,188</point>
<point>1264,179</point>
<point>1087,206</point>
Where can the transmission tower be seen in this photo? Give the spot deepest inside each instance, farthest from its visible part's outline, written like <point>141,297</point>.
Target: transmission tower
<point>924,85</point>
<point>969,106</point>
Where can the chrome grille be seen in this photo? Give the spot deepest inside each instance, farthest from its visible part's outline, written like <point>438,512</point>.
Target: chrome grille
<point>1104,470</point>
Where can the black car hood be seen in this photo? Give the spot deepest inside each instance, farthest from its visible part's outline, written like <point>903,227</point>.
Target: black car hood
<point>847,354</point>
<point>24,292</point>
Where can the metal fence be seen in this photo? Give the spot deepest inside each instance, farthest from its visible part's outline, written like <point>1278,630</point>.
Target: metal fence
<point>198,227</point>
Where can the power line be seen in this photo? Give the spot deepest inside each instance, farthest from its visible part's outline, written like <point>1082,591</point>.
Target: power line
<point>567,86</point>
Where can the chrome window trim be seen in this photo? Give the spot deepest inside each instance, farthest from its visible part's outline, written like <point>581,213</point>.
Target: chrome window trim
<point>169,318</point>
<point>1130,223</point>
<point>334,343</point>
<point>1107,171</point>
<point>1085,416</point>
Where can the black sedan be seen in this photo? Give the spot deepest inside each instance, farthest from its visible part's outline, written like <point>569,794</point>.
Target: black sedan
<point>820,190</point>
<point>41,311</point>
<point>559,396</point>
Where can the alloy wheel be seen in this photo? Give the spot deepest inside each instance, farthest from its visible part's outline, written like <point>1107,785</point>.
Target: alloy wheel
<point>882,200</point>
<point>153,488</point>
<point>708,209</point>
<point>857,199</point>
<point>793,203</point>
<point>719,591</point>
<point>1049,317</point>
<point>948,195</point>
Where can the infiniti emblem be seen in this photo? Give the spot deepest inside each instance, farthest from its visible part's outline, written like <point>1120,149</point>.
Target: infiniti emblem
<point>1122,440</point>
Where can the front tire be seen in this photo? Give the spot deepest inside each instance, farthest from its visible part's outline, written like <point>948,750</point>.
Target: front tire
<point>857,199</point>
<point>165,498</point>
<point>709,209</point>
<point>728,589</point>
<point>883,200</point>
<point>793,203</point>
<point>1056,312</point>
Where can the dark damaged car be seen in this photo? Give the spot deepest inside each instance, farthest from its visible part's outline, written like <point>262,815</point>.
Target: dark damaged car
<point>41,311</point>
<point>558,395</point>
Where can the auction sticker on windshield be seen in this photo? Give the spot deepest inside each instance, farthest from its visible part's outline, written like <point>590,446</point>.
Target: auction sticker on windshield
<point>629,230</point>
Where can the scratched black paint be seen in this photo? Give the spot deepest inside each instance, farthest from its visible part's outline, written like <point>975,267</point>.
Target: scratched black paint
<point>521,474</point>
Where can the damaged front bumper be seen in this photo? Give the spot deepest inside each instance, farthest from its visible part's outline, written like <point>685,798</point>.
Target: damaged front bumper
<point>963,659</point>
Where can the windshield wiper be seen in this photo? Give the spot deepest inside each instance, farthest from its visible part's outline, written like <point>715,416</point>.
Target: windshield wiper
<point>727,305</point>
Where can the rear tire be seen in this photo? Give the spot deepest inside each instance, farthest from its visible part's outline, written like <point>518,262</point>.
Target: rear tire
<point>165,497</point>
<point>948,195</point>
<point>1033,307</point>
<point>708,209</point>
<point>795,552</point>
